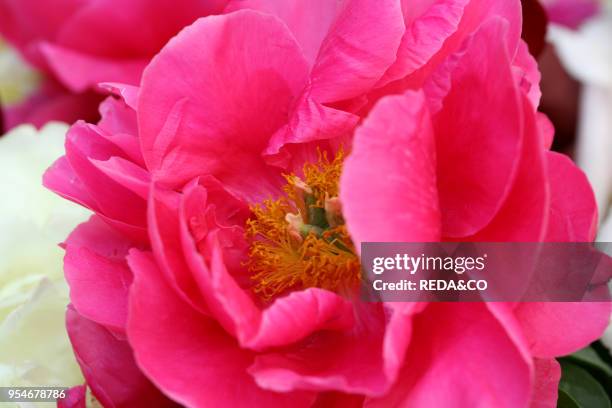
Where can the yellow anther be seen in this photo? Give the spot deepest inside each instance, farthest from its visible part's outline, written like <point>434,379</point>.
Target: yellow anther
<point>295,243</point>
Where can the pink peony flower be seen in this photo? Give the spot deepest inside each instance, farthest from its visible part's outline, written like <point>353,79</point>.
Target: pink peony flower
<point>80,44</point>
<point>222,262</point>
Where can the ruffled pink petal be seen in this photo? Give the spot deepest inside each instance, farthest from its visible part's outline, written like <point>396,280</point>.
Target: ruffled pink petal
<point>524,214</point>
<point>99,277</point>
<point>164,233</point>
<point>109,368</point>
<point>128,93</point>
<point>308,20</point>
<point>573,210</point>
<point>460,356</point>
<point>118,117</point>
<point>546,386</point>
<point>300,314</point>
<point>121,128</point>
<point>363,360</point>
<point>475,14</point>
<point>428,24</point>
<point>478,154</point>
<point>309,122</point>
<point>86,143</point>
<point>175,351</point>
<point>347,60</point>
<point>346,361</point>
<point>77,177</point>
<point>79,72</point>
<point>352,60</point>
<point>225,102</point>
<point>126,173</point>
<point>388,185</point>
<point>479,11</point>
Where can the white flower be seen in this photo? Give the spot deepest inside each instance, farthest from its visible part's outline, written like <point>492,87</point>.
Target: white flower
<point>17,79</point>
<point>34,346</point>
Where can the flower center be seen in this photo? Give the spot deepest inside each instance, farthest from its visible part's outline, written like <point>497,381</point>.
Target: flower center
<point>300,240</point>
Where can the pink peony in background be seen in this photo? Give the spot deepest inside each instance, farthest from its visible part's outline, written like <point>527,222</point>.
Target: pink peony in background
<point>187,282</point>
<point>78,44</point>
<point>571,13</point>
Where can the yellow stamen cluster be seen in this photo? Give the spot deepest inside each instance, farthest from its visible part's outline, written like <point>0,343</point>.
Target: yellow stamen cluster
<point>296,242</point>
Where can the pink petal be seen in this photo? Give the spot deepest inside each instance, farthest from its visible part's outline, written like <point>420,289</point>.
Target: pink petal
<point>479,11</point>
<point>75,398</point>
<point>165,240</point>
<point>62,180</point>
<point>546,326</point>
<point>428,25</point>
<point>139,29</point>
<point>346,60</point>
<point>524,214</point>
<point>294,317</point>
<point>310,122</point>
<point>308,20</point>
<point>352,60</point>
<point>346,361</point>
<point>573,212</point>
<point>547,129</point>
<point>127,174</point>
<point>363,360</point>
<point>223,103</point>
<point>128,93</point>
<point>109,368</point>
<point>175,345</point>
<point>86,143</point>
<point>546,387</point>
<point>478,154</point>
<point>100,238</point>
<point>120,128</point>
<point>133,232</point>
<point>459,356</point>
<point>504,314</point>
<point>528,74</point>
<point>79,72</point>
<point>99,277</point>
<point>118,117</point>
<point>388,185</point>
<point>475,14</point>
